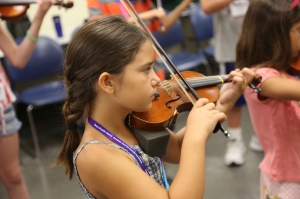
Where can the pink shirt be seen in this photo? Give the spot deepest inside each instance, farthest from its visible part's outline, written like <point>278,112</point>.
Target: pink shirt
<point>277,125</point>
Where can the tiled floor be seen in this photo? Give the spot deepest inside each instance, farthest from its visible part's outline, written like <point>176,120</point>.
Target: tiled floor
<point>45,182</point>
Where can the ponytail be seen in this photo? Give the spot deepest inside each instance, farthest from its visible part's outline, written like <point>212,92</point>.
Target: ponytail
<point>71,142</point>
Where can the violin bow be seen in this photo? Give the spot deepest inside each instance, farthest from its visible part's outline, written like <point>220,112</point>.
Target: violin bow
<point>159,50</point>
<point>159,54</point>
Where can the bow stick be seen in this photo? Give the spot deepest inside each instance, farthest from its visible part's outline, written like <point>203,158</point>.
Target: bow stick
<point>161,57</point>
<point>159,50</point>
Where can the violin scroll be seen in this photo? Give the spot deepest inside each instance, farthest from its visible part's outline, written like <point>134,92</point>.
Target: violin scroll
<point>67,5</point>
<point>16,10</point>
<point>257,80</point>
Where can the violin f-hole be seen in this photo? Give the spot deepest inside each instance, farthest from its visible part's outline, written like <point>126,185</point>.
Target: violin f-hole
<point>173,100</point>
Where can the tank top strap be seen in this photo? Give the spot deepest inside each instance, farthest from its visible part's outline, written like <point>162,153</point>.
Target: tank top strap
<point>87,194</point>
<point>99,142</point>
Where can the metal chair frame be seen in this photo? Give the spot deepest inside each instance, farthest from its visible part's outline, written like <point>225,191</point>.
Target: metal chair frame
<point>46,61</point>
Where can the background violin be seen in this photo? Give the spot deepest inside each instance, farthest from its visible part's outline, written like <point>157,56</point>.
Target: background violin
<point>15,10</point>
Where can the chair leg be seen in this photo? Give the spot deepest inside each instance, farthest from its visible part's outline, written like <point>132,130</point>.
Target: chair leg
<point>27,151</point>
<point>207,67</point>
<point>33,131</point>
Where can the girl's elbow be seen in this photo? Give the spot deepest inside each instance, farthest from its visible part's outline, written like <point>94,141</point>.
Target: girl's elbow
<point>204,7</point>
<point>19,64</point>
<point>207,10</point>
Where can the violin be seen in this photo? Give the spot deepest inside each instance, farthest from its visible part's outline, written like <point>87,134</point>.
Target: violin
<point>14,10</point>
<point>170,100</point>
<point>295,68</point>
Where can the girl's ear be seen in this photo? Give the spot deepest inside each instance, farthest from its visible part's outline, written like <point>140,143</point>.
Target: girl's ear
<point>105,82</point>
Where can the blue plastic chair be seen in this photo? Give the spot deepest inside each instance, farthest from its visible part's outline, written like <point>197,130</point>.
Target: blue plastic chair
<point>203,27</point>
<point>183,60</point>
<point>45,61</point>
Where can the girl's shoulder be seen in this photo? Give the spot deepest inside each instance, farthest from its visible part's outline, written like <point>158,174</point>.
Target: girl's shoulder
<point>95,147</point>
<point>266,73</point>
<point>97,163</point>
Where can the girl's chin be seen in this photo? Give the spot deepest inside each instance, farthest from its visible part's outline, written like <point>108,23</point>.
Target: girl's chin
<point>145,109</point>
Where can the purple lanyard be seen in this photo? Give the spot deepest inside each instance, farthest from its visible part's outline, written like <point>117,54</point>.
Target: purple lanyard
<point>116,140</point>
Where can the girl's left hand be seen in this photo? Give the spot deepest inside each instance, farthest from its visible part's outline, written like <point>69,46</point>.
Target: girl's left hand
<point>44,5</point>
<point>230,92</point>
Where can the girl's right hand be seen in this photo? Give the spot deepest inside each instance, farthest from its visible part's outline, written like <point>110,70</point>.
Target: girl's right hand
<point>203,118</point>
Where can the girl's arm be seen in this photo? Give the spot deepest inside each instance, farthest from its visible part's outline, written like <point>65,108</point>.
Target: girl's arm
<point>211,6</point>
<point>149,15</point>
<point>174,15</point>
<point>230,92</point>
<point>174,146</point>
<point>116,170</point>
<point>281,88</point>
<point>19,55</point>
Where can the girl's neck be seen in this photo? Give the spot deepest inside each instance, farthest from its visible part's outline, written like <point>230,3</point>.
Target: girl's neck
<point>114,122</point>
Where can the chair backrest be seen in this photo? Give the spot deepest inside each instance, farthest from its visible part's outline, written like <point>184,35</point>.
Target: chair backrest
<point>172,37</point>
<point>202,23</point>
<point>75,30</point>
<point>46,60</point>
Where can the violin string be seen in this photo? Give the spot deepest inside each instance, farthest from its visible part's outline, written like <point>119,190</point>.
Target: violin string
<point>205,81</point>
<point>159,54</point>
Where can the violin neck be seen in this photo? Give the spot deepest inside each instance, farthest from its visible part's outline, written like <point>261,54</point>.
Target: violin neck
<point>199,82</point>
<point>17,2</point>
<point>69,3</point>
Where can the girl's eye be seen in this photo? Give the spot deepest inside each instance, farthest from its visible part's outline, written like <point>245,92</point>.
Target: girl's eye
<point>147,70</point>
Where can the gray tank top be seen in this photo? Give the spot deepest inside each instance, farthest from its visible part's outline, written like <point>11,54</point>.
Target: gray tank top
<point>153,164</point>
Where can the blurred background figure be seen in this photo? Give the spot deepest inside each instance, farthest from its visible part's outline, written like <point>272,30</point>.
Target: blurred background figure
<point>228,19</point>
<point>275,111</point>
<point>10,172</point>
<point>18,28</point>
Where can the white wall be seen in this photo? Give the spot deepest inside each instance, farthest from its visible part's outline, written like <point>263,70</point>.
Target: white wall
<point>70,19</point>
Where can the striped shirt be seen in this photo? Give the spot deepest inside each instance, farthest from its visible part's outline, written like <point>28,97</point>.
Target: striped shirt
<point>153,164</point>
<point>7,97</point>
<point>114,7</point>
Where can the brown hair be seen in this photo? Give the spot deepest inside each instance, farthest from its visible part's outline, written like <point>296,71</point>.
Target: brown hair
<point>106,44</point>
<point>265,37</point>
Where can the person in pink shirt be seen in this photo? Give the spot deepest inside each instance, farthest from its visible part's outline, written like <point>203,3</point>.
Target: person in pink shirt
<point>269,43</point>
<point>18,55</point>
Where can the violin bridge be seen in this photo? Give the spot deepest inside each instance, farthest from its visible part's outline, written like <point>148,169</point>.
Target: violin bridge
<point>167,87</point>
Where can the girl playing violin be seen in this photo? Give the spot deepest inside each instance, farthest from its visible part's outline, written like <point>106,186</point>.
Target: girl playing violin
<point>10,173</point>
<point>108,74</point>
<point>269,42</point>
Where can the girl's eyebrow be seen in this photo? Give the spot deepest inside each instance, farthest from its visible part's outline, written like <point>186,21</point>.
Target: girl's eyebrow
<point>148,63</point>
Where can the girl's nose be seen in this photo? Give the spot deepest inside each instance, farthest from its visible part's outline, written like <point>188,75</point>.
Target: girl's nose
<point>156,79</point>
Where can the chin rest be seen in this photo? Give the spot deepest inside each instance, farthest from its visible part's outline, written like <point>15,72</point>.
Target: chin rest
<point>155,144</point>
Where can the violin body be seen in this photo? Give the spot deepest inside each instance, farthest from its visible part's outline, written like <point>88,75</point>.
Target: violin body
<point>14,12</point>
<point>170,102</point>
